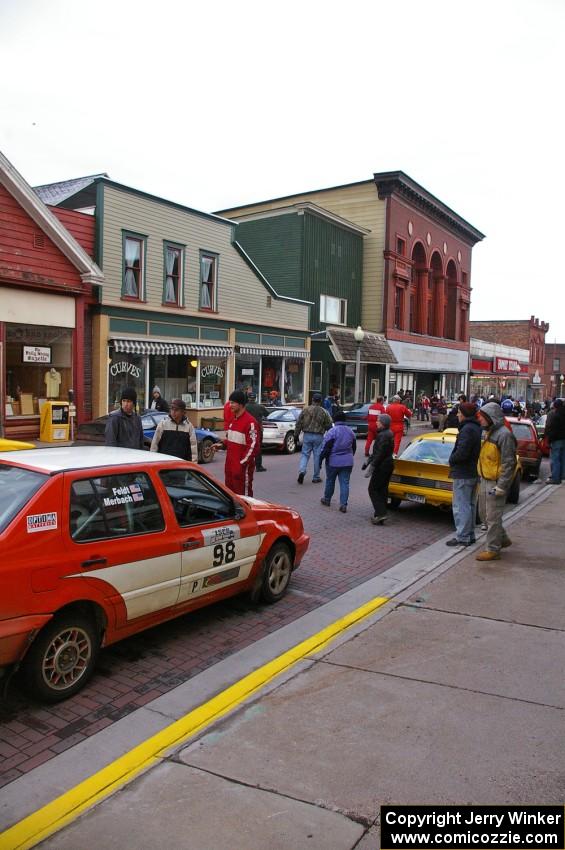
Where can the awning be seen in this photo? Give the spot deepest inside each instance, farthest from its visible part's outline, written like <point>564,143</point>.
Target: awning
<point>374,348</point>
<point>142,346</point>
<point>296,353</point>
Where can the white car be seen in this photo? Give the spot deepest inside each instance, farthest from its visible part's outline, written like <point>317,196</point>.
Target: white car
<point>279,428</point>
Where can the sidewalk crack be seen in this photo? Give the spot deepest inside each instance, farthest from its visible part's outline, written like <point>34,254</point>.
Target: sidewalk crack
<point>421,606</point>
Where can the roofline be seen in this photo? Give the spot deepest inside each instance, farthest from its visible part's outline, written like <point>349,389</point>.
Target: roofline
<point>389,182</point>
<point>49,223</point>
<point>294,195</point>
<point>140,193</point>
<point>265,282</point>
<point>300,208</point>
<point>91,177</point>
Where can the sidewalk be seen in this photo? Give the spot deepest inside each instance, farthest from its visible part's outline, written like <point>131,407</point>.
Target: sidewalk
<point>453,692</point>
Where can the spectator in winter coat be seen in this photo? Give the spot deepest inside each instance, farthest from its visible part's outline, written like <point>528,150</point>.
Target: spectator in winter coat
<point>397,411</point>
<point>240,443</point>
<point>452,420</point>
<point>312,423</point>
<point>123,427</point>
<point>158,402</point>
<point>338,448</point>
<point>175,434</point>
<point>375,410</point>
<point>555,433</point>
<point>258,412</point>
<point>380,467</point>
<point>497,465</point>
<point>463,470</point>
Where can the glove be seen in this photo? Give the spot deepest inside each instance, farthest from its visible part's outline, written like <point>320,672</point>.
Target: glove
<point>365,465</point>
<point>497,491</point>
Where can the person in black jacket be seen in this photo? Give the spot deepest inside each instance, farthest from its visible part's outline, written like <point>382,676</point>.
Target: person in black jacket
<point>124,427</point>
<point>175,434</point>
<point>463,471</point>
<point>158,403</point>
<point>555,433</point>
<point>380,466</point>
<point>258,412</point>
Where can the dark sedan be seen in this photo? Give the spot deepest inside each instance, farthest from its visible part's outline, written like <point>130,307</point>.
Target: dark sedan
<point>93,432</point>
<point>357,417</point>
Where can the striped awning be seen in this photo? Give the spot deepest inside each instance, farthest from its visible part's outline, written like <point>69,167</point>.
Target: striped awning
<point>296,353</point>
<point>142,346</point>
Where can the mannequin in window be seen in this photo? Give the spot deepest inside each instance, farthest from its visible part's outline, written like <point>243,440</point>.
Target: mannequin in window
<point>52,382</point>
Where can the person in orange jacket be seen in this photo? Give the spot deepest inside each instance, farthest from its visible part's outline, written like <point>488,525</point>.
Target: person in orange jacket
<point>397,411</point>
<point>375,409</point>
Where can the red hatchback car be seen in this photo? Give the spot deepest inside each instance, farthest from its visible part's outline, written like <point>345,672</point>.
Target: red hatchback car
<point>529,447</point>
<point>100,543</point>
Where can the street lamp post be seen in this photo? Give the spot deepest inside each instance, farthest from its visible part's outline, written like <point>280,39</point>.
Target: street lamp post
<point>359,335</point>
<point>561,382</point>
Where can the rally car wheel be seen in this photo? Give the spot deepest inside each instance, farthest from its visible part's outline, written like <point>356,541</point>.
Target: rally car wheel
<point>276,573</point>
<point>206,450</point>
<point>62,658</point>
<point>289,443</point>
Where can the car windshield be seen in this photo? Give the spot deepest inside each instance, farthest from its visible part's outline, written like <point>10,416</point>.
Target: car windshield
<point>281,416</point>
<point>428,451</point>
<point>521,431</point>
<point>17,486</point>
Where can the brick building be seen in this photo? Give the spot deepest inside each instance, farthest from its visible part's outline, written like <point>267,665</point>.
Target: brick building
<point>554,373</point>
<point>520,333</point>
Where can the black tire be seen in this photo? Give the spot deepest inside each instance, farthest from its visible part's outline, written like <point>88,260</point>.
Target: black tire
<point>206,451</point>
<point>276,573</point>
<point>289,445</point>
<point>514,492</point>
<point>61,659</point>
<point>394,503</point>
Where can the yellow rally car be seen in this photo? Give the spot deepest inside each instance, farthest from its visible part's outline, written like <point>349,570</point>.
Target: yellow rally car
<point>421,473</point>
<point>14,445</point>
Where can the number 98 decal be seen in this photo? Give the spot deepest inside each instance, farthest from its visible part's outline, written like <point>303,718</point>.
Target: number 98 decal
<point>223,553</point>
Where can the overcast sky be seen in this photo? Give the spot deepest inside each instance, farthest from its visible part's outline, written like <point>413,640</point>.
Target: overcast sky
<point>214,104</point>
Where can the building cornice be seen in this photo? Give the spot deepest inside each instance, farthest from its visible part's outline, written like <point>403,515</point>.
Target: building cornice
<point>398,183</point>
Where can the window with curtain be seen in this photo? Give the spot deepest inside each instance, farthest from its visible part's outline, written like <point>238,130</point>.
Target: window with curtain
<point>208,272</point>
<point>132,286</point>
<point>333,310</point>
<point>173,275</point>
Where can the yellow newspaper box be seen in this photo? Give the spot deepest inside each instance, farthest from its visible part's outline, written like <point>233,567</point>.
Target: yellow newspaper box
<point>54,422</point>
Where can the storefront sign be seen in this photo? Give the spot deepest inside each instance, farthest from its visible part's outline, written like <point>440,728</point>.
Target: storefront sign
<point>212,370</point>
<point>36,354</point>
<point>124,366</point>
<point>506,364</point>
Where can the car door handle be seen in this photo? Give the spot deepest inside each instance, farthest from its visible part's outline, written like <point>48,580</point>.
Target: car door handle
<point>92,561</point>
<point>191,543</point>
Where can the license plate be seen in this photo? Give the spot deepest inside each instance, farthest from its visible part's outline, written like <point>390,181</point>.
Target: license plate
<point>415,497</point>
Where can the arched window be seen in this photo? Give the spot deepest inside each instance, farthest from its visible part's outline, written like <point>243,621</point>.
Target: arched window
<point>435,306</point>
<point>450,322</point>
<point>418,290</point>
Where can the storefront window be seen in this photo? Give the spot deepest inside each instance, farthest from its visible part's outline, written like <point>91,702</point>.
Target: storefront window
<point>271,379</point>
<point>454,385</point>
<point>126,370</point>
<point>248,373</point>
<point>293,380</point>
<point>212,372</point>
<point>38,367</point>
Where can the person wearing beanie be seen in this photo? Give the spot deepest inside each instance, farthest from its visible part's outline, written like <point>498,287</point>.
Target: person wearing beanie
<point>175,434</point>
<point>379,468</point>
<point>496,466</point>
<point>124,428</point>
<point>241,444</point>
<point>158,402</point>
<point>397,411</point>
<point>338,448</point>
<point>463,471</point>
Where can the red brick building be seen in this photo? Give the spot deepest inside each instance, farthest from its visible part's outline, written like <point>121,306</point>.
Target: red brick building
<point>520,333</point>
<point>47,285</point>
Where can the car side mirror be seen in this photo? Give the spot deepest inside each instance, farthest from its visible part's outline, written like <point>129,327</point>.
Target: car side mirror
<point>239,512</point>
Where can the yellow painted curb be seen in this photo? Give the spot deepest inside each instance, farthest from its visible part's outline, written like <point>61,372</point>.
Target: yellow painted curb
<point>58,813</point>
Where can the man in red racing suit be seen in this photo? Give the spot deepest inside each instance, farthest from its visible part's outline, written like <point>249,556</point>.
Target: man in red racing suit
<point>397,411</point>
<point>375,409</point>
<point>241,444</point>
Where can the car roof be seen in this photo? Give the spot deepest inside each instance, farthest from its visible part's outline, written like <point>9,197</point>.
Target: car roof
<point>450,433</point>
<point>64,458</point>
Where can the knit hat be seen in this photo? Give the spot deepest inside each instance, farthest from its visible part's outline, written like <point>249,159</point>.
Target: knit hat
<point>238,396</point>
<point>129,394</point>
<point>156,390</point>
<point>468,409</point>
<point>396,398</point>
<point>178,402</point>
<point>385,420</point>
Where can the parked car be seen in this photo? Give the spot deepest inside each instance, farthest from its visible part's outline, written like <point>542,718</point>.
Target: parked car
<point>14,445</point>
<point>279,428</point>
<point>357,417</point>
<point>94,432</point>
<point>421,473</point>
<point>100,543</point>
<point>529,447</point>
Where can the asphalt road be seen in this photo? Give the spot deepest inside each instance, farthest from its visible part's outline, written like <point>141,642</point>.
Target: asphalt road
<point>345,551</point>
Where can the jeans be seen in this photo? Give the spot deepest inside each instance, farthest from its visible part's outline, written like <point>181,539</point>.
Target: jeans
<point>343,473</point>
<point>464,508</point>
<point>557,460</point>
<point>311,445</point>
